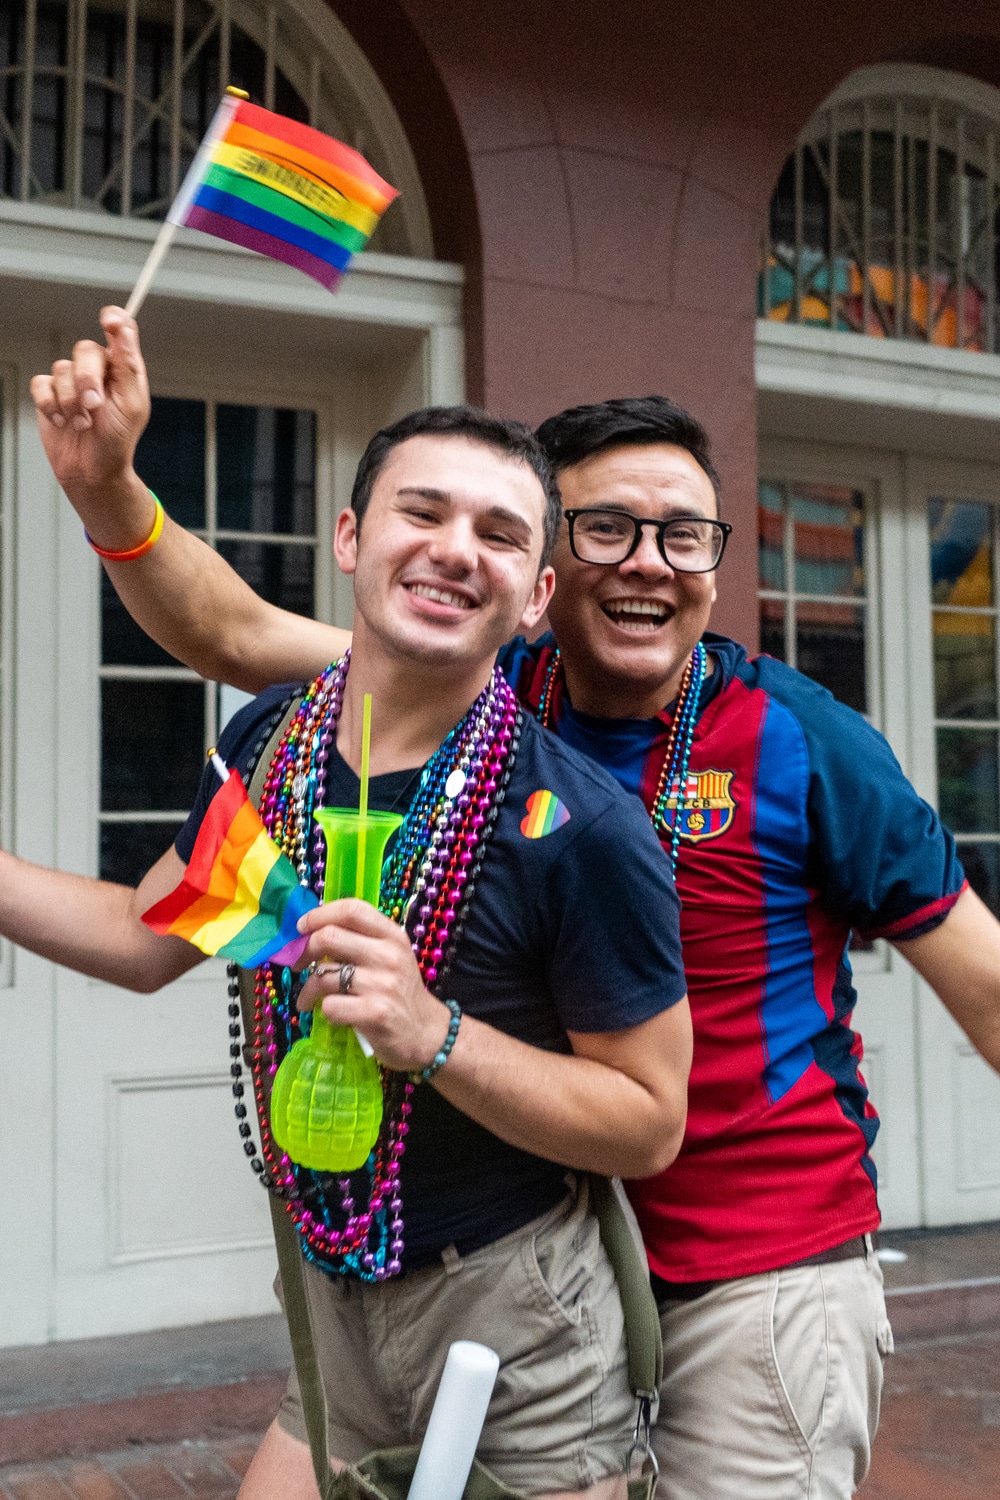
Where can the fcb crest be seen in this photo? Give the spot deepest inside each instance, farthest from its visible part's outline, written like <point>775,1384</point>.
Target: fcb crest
<point>703,804</point>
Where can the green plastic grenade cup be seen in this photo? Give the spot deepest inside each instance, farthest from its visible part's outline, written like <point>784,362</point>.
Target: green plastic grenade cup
<point>326,1103</point>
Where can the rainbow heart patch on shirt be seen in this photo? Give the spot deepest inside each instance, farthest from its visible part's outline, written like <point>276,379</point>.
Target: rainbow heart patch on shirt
<point>545,814</point>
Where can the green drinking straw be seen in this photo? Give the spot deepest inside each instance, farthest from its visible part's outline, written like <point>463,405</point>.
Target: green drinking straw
<point>366,747</point>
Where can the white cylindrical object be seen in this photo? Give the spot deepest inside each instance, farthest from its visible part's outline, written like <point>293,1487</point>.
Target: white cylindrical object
<point>456,1422</point>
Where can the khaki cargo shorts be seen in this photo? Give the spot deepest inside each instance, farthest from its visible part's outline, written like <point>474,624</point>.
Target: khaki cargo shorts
<point>544,1297</point>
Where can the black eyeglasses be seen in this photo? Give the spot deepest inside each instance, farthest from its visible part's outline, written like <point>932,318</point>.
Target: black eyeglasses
<point>688,544</point>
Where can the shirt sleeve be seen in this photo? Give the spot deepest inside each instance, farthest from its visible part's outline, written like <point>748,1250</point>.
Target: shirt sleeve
<point>244,736</point>
<point>612,922</point>
<point>880,854</point>
<point>519,656</point>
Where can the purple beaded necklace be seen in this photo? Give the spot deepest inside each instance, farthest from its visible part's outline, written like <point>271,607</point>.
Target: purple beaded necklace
<point>433,866</point>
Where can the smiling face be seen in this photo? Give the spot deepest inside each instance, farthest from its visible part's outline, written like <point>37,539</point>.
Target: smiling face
<point>627,631</point>
<point>446,563</point>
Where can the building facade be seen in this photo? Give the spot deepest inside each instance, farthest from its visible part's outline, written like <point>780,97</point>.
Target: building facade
<point>595,201</point>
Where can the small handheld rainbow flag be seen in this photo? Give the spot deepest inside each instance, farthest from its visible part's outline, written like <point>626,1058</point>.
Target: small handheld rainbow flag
<point>296,195</point>
<point>240,897</point>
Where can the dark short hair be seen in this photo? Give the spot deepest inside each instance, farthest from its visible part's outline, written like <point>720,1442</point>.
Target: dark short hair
<point>513,440</point>
<point>582,431</point>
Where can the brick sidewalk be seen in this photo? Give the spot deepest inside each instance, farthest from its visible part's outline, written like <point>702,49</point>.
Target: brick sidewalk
<point>199,1470</point>
<point>939,1440</point>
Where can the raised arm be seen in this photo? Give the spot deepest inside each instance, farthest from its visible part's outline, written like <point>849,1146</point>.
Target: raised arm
<point>92,410</point>
<point>93,926</point>
<point>960,959</point>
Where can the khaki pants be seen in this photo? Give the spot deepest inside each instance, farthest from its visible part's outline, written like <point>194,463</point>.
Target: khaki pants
<point>544,1297</point>
<point>772,1385</point>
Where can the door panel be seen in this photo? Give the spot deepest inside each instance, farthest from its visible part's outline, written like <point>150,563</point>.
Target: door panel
<point>827,495</point>
<point>953,549</point>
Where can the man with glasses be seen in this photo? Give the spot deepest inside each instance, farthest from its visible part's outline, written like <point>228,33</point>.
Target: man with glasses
<point>790,824</point>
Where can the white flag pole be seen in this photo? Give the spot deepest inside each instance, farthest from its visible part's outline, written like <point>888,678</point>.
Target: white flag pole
<point>228,106</point>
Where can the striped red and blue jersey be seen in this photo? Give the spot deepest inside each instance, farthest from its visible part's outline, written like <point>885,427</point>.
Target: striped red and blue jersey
<point>797,828</point>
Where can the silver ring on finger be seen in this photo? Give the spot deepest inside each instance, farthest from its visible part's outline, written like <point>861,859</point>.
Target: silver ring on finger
<point>346,978</point>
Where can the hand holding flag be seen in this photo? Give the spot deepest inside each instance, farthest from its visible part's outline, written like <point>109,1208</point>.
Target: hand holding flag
<point>240,897</point>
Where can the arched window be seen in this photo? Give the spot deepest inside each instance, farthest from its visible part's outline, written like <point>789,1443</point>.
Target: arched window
<point>885,217</point>
<point>102,104</point>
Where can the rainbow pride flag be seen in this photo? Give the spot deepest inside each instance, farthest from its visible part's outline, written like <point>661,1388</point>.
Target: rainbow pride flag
<point>296,195</point>
<point>240,897</point>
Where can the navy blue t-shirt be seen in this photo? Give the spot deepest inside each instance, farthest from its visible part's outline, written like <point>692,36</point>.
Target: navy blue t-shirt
<point>577,930</point>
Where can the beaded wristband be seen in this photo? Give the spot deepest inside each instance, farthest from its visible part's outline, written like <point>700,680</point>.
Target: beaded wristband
<point>132,553</point>
<point>440,1058</point>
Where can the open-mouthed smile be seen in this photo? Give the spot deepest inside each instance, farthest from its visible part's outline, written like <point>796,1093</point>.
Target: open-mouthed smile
<point>639,615</point>
<point>437,595</point>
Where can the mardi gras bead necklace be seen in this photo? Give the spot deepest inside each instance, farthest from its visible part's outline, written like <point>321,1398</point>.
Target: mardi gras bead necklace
<point>433,867</point>
<point>674,770</point>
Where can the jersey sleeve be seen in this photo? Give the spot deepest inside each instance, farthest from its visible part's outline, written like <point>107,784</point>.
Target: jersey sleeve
<point>240,742</point>
<point>880,854</point>
<point>612,921</point>
<point>517,659</point>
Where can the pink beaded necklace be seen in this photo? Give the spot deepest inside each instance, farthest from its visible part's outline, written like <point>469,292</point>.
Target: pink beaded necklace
<point>433,867</point>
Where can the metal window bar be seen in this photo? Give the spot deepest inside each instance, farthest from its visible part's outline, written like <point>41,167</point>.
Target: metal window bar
<point>128,106</point>
<point>28,95</point>
<point>832,194</point>
<point>991,242</point>
<point>176,98</point>
<point>866,217</point>
<point>932,222</point>
<point>269,50</point>
<point>961,228</point>
<point>225,44</point>
<point>901,287</point>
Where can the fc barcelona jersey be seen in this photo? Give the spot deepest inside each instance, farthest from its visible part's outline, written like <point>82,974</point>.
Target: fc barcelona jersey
<point>797,827</point>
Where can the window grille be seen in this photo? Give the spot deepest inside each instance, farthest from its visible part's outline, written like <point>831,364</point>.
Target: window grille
<point>885,217</point>
<point>102,105</point>
<point>244,479</point>
<point>964,553</point>
<point>811,570</point>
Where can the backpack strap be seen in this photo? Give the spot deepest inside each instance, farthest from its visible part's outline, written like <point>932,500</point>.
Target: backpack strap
<point>642,1319</point>
<point>290,1260</point>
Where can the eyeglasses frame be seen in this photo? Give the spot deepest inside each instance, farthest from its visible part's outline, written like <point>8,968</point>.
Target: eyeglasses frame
<point>639,522</point>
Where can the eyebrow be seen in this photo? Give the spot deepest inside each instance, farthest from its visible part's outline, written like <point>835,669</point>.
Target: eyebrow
<point>493,513</point>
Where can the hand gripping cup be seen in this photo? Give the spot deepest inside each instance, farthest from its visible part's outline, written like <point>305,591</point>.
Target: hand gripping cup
<point>326,1103</point>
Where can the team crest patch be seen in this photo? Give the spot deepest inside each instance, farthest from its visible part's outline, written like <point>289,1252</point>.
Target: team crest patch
<point>704,805</point>
<point>545,814</point>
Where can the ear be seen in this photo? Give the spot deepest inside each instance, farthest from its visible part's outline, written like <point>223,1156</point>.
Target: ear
<point>539,602</point>
<point>345,541</point>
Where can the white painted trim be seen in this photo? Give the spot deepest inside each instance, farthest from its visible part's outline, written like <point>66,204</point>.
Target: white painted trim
<point>69,247</point>
<point>803,361</point>
<point>915,81</point>
<point>8,616</point>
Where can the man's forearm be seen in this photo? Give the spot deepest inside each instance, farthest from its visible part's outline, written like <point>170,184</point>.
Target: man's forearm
<point>572,1109</point>
<point>187,598</point>
<point>88,925</point>
<point>960,960</point>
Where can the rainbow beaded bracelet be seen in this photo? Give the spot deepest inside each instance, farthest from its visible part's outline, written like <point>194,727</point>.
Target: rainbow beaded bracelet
<point>131,553</point>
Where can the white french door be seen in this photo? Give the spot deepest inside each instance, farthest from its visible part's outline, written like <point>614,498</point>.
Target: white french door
<point>953,573</point>
<point>828,520</point>
<point>880,577</point>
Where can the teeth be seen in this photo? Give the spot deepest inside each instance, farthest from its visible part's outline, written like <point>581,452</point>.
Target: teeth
<point>441,596</point>
<point>637,608</point>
